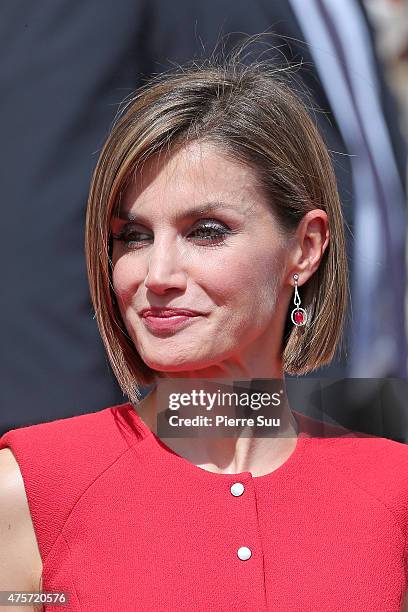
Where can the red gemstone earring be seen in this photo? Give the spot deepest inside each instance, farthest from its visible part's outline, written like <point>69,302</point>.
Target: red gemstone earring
<point>298,315</point>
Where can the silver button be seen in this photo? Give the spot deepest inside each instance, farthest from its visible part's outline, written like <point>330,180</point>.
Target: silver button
<point>244,553</point>
<point>237,489</point>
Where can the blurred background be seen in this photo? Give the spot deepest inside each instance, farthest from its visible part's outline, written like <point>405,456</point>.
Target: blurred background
<point>65,67</point>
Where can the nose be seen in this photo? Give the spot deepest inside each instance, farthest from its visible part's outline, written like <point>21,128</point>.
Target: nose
<point>165,270</point>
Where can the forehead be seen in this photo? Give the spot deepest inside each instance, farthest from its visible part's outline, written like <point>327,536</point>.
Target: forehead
<point>191,175</point>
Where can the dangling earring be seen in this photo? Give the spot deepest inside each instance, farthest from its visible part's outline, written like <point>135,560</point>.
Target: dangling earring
<point>298,315</point>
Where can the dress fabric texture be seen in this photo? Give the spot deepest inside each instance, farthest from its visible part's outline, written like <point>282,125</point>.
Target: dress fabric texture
<point>124,523</point>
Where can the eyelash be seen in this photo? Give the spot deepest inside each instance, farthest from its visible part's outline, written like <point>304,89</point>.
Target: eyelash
<point>221,232</point>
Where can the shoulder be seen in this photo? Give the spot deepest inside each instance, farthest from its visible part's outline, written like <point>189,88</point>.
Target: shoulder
<point>75,428</point>
<point>94,435</point>
<point>20,560</point>
<point>377,466</point>
<point>59,459</point>
<point>373,457</point>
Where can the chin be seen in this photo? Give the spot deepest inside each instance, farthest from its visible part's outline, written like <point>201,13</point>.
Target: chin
<point>176,365</point>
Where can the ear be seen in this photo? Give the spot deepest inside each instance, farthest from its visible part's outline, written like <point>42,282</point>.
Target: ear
<point>308,245</point>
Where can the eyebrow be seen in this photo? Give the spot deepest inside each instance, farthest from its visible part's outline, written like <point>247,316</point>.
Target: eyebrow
<point>180,216</point>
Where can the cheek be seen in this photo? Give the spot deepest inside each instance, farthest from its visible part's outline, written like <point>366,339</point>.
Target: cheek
<point>251,278</point>
<point>246,290</point>
<point>125,279</point>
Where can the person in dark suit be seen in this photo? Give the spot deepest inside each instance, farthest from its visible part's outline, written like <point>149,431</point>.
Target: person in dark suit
<point>64,70</point>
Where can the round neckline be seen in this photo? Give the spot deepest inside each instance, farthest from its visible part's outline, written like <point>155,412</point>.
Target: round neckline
<point>165,452</point>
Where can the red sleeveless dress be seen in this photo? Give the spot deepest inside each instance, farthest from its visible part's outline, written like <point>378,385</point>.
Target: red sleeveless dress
<point>125,524</point>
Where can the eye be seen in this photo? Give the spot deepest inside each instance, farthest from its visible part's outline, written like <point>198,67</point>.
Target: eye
<point>132,238</point>
<point>211,232</point>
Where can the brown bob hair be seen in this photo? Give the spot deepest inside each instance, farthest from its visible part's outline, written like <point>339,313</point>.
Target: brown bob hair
<point>253,115</point>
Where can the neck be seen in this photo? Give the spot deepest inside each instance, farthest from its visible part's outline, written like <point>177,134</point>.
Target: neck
<point>241,450</point>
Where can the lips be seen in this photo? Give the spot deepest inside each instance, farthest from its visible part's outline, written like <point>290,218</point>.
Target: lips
<point>165,321</point>
<point>168,312</point>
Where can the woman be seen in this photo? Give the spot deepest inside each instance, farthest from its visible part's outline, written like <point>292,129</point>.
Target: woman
<point>214,194</point>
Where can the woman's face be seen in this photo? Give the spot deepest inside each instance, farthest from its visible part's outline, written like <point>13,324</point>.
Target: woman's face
<point>228,263</point>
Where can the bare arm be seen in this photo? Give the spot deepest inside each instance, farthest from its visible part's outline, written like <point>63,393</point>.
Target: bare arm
<point>20,560</point>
